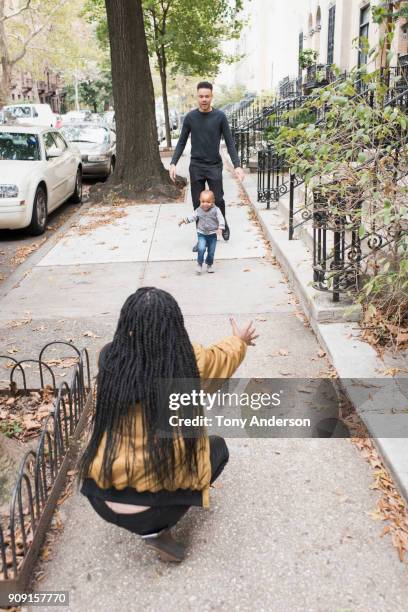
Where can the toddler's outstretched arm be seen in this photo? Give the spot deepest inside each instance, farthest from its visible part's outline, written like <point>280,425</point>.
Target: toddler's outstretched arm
<point>189,219</point>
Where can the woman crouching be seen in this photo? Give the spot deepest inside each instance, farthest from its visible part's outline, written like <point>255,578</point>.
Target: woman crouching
<point>134,473</point>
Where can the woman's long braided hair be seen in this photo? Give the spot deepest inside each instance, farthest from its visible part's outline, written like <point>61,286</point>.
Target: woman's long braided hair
<point>150,350</point>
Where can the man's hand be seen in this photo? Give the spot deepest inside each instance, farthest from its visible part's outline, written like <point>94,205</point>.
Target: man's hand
<point>180,223</point>
<point>219,232</point>
<point>239,174</point>
<point>247,334</point>
<point>173,173</point>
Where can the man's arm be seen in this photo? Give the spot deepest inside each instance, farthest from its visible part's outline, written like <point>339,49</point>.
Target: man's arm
<point>229,141</point>
<point>182,141</point>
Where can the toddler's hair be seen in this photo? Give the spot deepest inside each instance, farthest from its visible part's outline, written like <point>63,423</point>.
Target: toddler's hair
<point>208,192</point>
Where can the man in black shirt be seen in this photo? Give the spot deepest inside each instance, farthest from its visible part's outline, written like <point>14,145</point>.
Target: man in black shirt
<point>206,126</point>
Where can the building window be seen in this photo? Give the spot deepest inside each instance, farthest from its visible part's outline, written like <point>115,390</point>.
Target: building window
<point>364,30</point>
<point>318,19</point>
<point>310,25</point>
<point>330,40</point>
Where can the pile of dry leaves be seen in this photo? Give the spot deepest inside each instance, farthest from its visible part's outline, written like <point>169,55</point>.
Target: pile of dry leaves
<point>96,217</point>
<point>381,332</point>
<point>22,416</point>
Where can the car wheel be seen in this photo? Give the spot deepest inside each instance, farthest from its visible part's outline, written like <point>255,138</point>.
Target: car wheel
<point>40,213</point>
<point>111,169</point>
<point>77,195</point>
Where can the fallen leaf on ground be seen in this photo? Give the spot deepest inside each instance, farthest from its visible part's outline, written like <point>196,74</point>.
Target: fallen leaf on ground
<point>12,350</point>
<point>89,334</point>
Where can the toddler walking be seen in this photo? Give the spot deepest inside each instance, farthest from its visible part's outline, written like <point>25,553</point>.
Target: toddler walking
<point>210,224</point>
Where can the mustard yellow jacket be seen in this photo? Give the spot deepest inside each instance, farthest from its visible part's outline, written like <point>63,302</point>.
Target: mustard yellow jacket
<point>217,361</point>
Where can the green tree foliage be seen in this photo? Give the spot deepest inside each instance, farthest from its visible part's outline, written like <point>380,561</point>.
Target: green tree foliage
<point>35,34</point>
<point>95,94</point>
<point>229,95</point>
<point>184,36</point>
<point>354,162</point>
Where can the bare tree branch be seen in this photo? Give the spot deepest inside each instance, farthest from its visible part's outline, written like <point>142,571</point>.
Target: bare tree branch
<point>18,12</point>
<point>36,32</point>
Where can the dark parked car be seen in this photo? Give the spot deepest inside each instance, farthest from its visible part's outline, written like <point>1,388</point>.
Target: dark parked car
<point>97,144</point>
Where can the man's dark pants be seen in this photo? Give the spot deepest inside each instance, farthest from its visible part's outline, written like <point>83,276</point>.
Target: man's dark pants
<point>202,174</point>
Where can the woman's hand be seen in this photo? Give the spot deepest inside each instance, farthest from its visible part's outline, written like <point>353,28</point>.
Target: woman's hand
<point>247,333</point>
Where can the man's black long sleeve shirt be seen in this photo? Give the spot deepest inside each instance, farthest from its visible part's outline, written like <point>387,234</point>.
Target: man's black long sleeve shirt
<point>206,130</point>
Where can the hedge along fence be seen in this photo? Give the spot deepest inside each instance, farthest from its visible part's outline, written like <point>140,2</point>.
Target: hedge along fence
<point>42,472</point>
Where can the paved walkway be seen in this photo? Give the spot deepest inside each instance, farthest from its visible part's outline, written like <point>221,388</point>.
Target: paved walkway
<point>288,527</point>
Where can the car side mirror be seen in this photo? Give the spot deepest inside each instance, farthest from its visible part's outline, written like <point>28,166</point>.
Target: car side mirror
<point>54,152</point>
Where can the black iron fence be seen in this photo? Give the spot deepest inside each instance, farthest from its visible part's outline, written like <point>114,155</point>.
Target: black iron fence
<point>318,75</point>
<point>338,249</point>
<point>42,472</point>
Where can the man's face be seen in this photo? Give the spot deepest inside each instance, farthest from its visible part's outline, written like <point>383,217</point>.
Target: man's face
<point>205,97</point>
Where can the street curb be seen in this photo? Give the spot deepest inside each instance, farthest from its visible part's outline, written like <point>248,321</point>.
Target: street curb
<point>354,361</point>
<point>22,269</point>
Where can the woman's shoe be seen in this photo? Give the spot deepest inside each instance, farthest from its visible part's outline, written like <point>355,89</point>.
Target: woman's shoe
<point>169,550</point>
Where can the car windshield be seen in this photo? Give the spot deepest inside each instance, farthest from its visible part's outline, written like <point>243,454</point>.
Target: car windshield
<point>19,147</point>
<point>96,135</point>
<point>19,112</point>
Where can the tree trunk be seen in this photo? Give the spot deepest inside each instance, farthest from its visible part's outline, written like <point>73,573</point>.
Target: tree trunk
<point>139,169</point>
<point>35,90</point>
<point>5,82</point>
<point>161,60</point>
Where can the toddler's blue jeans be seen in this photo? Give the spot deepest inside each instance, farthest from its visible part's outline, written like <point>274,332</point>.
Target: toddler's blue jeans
<point>206,243</point>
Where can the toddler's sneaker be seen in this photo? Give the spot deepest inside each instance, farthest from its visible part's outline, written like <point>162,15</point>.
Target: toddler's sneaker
<point>199,269</point>
<point>210,269</point>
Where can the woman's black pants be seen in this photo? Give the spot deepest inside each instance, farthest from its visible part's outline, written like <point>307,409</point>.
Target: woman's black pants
<point>161,517</point>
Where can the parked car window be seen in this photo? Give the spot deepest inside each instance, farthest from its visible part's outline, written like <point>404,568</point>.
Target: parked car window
<point>19,112</point>
<point>49,142</point>
<point>98,135</point>
<point>60,142</point>
<point>21,147</point>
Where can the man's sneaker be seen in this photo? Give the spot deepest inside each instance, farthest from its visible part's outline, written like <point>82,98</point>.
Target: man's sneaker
<point>210,269</point>
<point>226,233</point>
<point>195,248</point>
<point>199,269</point>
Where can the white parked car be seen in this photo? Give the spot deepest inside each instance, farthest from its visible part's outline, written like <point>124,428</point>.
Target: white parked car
<point>75,116</point>
<point>39,171</point>
<point>31,114</point>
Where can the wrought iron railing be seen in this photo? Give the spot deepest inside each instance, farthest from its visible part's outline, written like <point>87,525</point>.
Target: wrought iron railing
<point>42,471</point>
<point>318,75</point>
<point>337,246</point>
<point>288,88</point>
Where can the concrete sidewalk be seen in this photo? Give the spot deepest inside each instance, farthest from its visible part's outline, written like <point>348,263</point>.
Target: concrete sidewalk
<point>288,527</point>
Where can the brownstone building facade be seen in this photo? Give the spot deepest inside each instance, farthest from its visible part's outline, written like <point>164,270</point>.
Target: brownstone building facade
<point>49,90</point>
